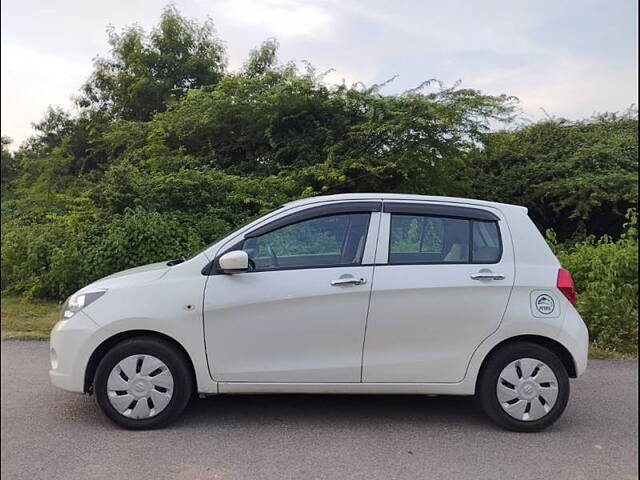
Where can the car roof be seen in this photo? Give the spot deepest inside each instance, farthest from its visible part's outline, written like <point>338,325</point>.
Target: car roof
<point>397,197</point>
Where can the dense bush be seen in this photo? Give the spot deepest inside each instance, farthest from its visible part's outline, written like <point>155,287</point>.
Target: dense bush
<point>578,178</point>
<point>606,276</point>
<point>57,258</point>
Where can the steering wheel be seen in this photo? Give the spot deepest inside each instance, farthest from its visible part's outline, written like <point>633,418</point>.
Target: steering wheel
<point>252,265</point>
<point>273,255</point>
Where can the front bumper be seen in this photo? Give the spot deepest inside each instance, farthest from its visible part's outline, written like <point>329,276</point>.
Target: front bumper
<point>71,344</point>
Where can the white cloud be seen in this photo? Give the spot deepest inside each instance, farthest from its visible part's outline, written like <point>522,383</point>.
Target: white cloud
<point>564,87</point>
<point>31,81</point>
<point>337,77</point>
<point>281,18</point>
<point>456,25</point>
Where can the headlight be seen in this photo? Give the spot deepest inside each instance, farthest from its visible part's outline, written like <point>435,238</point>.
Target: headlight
<point>78,301</point>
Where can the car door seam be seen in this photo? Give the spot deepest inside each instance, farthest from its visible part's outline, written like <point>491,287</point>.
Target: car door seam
<point>373,273</point>
<point>204,333</point>
<point>506,307</point>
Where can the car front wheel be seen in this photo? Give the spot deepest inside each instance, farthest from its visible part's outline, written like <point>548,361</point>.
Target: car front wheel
<point>523,387</point>
<point>143,383</point>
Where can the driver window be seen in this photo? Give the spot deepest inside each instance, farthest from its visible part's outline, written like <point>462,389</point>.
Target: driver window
<point>324,241</point>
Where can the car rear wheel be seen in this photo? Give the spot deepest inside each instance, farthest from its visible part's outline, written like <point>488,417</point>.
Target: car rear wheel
<point>143,383</point>
<point>523,387</point>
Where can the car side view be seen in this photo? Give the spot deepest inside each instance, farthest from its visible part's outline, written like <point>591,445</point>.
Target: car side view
<point>353,293</point>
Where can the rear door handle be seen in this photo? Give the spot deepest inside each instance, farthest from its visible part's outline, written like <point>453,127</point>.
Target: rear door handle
<point>348,280</point>
<point>486,276</point>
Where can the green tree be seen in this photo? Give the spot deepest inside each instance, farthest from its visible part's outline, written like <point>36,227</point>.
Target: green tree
<point>9,165</point>
<point>576,177</point>
<point>147,71</point>
<point>263,59</point>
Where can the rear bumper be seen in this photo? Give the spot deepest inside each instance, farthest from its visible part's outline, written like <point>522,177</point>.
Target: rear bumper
<point>71,344</point>
<point>575,337</point>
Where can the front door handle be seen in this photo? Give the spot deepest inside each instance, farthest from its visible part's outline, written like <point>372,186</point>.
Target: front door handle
<point>486,275</point>
<point>348,280</point>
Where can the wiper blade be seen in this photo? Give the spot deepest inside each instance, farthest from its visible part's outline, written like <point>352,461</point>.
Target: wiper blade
<point>177,261</point>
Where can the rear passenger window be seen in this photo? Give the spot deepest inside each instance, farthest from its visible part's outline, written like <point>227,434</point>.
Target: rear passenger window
<point>424,239</point>
<point>427,239</point>
<point>486,242</point>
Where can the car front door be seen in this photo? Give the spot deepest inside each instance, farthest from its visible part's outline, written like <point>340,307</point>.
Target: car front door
<point>443,278</point>
<point>299,314</point>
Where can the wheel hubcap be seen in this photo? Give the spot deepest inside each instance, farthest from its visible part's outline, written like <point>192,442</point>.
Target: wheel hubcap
<point>140,386</point>
<point>527,389</point>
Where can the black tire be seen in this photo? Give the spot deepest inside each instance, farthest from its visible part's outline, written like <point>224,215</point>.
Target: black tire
<point>488,379</point>
<point>165,352</point>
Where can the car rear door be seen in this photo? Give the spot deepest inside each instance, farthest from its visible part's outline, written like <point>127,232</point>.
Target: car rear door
<point>444,273</point>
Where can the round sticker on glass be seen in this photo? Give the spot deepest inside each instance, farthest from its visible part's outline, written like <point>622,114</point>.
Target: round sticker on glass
<point>545,304</point>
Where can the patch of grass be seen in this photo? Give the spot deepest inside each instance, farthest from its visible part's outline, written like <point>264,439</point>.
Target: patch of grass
<point>26,319</point>
<point>596,351</point>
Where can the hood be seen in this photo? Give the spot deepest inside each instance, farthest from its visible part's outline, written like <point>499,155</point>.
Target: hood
<point>137,275</point>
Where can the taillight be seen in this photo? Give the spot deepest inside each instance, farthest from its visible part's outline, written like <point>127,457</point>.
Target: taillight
<point>566,286</point>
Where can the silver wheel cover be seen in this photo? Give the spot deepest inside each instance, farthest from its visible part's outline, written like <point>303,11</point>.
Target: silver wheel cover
<point>527,389</point>
<point>140,386</point>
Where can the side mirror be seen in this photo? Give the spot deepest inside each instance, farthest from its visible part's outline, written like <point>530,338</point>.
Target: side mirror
<point>234,262</point>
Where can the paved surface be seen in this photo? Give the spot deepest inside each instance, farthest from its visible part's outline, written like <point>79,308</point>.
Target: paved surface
<point>47,433</point>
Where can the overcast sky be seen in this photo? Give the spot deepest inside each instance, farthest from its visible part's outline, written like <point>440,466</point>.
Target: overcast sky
<point>570,58</point>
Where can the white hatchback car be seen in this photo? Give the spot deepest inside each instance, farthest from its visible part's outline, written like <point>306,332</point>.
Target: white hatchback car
<point>357,293</point>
